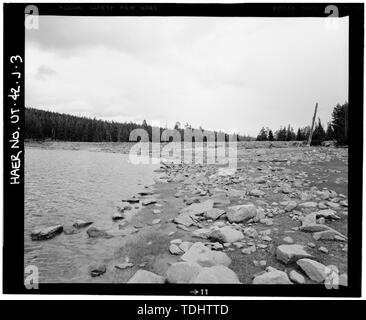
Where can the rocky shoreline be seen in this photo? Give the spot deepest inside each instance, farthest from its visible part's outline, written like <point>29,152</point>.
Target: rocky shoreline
<point>281,218</point>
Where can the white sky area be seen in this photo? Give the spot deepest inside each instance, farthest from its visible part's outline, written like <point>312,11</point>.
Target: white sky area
<point>231,74</point>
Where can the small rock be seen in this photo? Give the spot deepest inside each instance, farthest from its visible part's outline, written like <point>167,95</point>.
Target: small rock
<point>288,240</point>
<point>174,249</point>
<point>323,249</point>
<point>296,277</point>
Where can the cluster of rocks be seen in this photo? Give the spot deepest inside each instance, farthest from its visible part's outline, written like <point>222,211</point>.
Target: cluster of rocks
<point>231,211</point>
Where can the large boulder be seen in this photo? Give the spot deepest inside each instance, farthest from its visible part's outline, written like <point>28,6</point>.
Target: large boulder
<point>226,234</point>
<point>143,276</point>
<point>272,276</point>
<point>205,257</point>
<point>183,272</point>
<point>216,274</point>
<point>46,232</point>
<point>289,253</point>
<point>316,271</point>
<point>241,213</point>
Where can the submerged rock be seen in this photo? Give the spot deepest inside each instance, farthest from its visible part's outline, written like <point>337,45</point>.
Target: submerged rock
<point>46,233</point>
<point>94,232</point>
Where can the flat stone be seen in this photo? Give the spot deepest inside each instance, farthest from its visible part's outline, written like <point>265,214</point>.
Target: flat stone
<point>46,232</point>
<point>289,253</point>
<point>143,276</point>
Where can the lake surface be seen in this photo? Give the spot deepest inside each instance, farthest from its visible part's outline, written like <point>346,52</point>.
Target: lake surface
<point>62,186</point>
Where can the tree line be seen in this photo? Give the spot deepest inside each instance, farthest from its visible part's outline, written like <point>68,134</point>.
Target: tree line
<point>48,125</point>
<point>337,130</point>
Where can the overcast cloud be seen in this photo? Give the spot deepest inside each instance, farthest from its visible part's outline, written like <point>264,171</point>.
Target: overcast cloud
<point>234,74</point>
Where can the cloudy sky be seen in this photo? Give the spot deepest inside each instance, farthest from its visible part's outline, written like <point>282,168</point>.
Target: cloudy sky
<point>233,74</point>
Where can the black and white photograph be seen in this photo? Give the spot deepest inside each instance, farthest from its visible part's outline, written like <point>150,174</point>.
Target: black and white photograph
<point>203,149</point>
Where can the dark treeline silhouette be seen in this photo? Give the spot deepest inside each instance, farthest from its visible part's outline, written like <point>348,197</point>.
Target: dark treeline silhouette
<point>47,125</point>
<point>337,130</point>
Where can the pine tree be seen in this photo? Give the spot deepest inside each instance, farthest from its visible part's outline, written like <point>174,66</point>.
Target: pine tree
<point>270,135</point>
<point>340,124</point>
